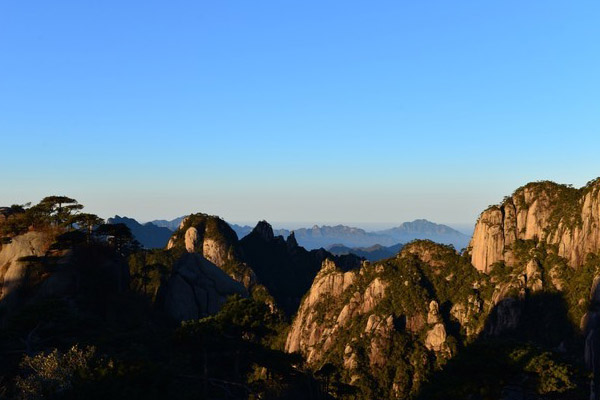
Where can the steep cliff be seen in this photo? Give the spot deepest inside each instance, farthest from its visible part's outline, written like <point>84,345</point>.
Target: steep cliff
<point>14,266</point>
<point>560,215</point>
<point>214,239</point>
<point>391,318</point>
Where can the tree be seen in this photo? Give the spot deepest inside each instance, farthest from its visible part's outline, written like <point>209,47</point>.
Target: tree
<point>118,235</point>
<point>86,222</point>
<point>58,208</point>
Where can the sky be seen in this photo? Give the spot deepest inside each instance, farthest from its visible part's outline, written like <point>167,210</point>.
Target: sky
<point>298,112</point>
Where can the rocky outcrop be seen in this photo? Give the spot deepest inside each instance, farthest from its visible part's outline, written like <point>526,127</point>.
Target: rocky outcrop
<point>379,329</point>
<point>209,236</point>
<point>428,252</point>
<point>13,255</point>
<point>215,240</point>
<point>533,275</point>
<point>436,338</point>
<point>307,331</point>
<point>433,316</point>
<point>557,214</point>
<point>467,315</point>
<point>198,288</point>
<point>309,334</point>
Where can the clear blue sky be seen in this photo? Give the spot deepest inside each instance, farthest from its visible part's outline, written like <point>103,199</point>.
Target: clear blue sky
<point>306,111</point>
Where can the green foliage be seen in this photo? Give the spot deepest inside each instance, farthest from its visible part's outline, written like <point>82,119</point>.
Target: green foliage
<point>150,270</point>
<point>52,375</point>
<point>119,236</point>
<point>552,376</point>
<point>488,366</point>
<point>230,353</point>
<point>54,213</point>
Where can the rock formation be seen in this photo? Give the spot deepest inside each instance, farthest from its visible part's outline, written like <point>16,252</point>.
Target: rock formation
<point>214,239</point>
<point>557,214</point>
<point>197,288</point>
<point>357,316</point>
<point>13,255</point>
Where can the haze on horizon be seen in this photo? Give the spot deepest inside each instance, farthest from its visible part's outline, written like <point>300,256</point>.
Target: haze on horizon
<point>305,111</point>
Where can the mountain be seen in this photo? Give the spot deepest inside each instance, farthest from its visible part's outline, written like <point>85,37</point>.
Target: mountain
<point>372,253</point>
<point>169,224</point>
<point>284,267</point>
<point>73,301</point>
<point>560,215</point>
<point>240,230</point>
<point>423,229</point>
<point>273,269</point>
<point>326,236</point>
<point>148,234</point>
<point>513,316</point>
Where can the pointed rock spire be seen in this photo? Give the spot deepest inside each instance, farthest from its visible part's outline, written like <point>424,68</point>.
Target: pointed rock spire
<point>291,241</point>
<point>264,230</point>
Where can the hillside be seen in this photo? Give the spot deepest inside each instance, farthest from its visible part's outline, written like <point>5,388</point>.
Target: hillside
<point>87,314</point>
<point>514,316</point>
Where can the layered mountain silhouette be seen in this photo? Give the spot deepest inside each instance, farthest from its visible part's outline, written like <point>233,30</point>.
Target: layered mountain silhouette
<point>514,316</point>
<point>372,253</point>
<point>149,235</point>
<point>326,236</point>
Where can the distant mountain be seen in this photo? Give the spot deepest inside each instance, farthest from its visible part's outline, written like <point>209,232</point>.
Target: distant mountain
<point>148,234</point>
<point>423,229</point>
<point>172,225</point>
<point>326,236</point>
<point>240,230</point>
<point>372,253</point>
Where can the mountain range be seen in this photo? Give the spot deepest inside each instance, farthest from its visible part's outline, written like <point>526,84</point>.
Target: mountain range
<point>323,236</point>
<point>372,253</point>
<point>89,314</point>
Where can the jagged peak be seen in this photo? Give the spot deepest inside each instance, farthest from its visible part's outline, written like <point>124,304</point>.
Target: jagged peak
<point>291,241</point>
<point>264,230</point>
<point>328,265</point>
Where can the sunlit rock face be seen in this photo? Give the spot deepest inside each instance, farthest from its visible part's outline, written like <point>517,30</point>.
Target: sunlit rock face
<point>215,240</point>
<point>13,268</point>
<point>557,214</point>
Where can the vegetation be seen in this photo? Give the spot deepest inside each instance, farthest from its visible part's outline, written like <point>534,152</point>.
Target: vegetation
<point>92,325</point>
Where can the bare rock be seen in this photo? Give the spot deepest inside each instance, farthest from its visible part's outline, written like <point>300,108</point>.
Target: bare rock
<point>198,288</point>
<point>433,316</point>
<point>436,338</point>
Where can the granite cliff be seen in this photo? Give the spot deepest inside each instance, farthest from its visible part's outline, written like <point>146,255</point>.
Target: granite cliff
<point>557,214</point>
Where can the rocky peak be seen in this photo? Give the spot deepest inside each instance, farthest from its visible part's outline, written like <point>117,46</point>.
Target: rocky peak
<point>433,316</point>
<point>291,241</point>
<point>215,240</point>
<point>546,211</point>
<point>264,230</point>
